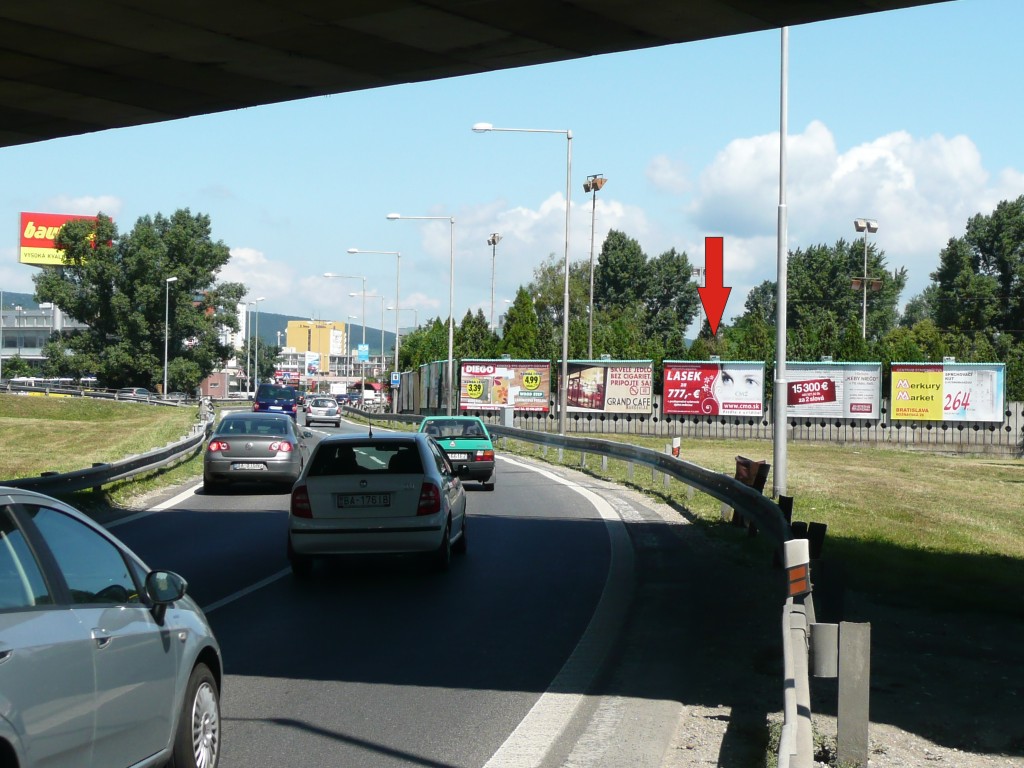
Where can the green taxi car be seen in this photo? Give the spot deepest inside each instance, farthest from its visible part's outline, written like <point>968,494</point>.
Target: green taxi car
<point>467,443</point>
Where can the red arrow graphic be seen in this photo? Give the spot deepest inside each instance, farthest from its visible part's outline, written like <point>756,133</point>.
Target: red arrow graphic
<point>713,296</point>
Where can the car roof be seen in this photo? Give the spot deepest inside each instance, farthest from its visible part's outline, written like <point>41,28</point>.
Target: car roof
<point>377,437</point>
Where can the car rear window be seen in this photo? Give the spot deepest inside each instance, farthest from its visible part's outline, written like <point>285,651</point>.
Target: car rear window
<point>270,392</point>
<point>361,458</point>
<point>455,429</point>
<point>244,426</point>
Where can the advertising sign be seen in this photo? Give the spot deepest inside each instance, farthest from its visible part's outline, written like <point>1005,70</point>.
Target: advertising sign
<point>948,391</point>
<point>610,387</point>
<point>713,388</point>
<point>312,366</point>
<point>38,231</point>
<point>487,385</point>
<point>363,352</point>
<point>834,390</point>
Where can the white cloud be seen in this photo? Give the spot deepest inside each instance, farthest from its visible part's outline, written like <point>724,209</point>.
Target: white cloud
<point>87,205</point>
<point>920,190</point>
<point>667,175</point>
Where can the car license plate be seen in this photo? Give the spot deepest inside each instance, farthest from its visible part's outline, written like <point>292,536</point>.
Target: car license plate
<point>365,500</point>
<point>458,456</point>
<point>247,465</point>
<point>276,408</point>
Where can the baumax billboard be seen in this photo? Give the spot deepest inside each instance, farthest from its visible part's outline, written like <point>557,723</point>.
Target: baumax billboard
<point>38,231</point>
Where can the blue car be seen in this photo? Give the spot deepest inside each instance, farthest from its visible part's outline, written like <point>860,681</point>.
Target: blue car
<point>275,398</point>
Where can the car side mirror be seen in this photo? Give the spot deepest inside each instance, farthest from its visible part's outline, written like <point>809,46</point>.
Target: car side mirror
<point>163,588</point>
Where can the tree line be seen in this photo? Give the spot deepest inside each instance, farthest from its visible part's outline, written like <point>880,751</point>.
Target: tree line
<point>973,308</point>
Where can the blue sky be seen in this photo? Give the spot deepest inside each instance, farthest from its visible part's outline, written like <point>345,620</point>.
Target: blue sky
<point>908,117</point>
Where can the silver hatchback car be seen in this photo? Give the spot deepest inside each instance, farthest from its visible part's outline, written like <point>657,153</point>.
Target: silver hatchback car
<point>103,662</point>
<point>391,493</point>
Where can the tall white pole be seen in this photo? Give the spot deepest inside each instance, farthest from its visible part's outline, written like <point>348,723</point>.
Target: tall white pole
<point>451,316</point>
<point>167,322</point>
<point>563,384</point>
<point>563,379</point>
<point>780,393</point>
<point>864,317</point>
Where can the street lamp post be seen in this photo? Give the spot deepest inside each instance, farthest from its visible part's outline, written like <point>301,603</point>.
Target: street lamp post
<point>563,383</point>
<point>451,295</point>
<point>167,322</point>
<point>592,184</point>
<point>382,302</point>
<point>256,352</point>
<point>248,345</point>
<point>362,379</point>
<point>865,226</point>
<point>398,301</point>
<point>493,241</point>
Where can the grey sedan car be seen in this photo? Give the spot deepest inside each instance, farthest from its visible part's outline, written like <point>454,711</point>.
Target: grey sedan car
<point>250,447</point>
<point>103,662</point>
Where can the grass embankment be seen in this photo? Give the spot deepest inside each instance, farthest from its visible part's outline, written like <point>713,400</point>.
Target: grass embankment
<point>62,434</point>
<point>937,531</point>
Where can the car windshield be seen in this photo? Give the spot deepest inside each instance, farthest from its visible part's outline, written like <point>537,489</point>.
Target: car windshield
<point>323,403</point>
<point>365,457</point>
<point>455,429</point>
<point>238,425</point>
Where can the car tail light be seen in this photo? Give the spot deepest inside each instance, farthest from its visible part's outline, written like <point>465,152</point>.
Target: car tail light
<point>485,455</point>
<point>255,406</point>
<point>295,408</point>
<point>300,502</point>
<point>430,500</point>
<point>281,446</point>
<point>219,445</point>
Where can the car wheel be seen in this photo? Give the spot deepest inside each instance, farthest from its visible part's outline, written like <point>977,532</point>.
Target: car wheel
<point>459,547</point>
<point>302,565</point>
<point>210,487</point>
<point>197,742</point>
<point>443,555</point>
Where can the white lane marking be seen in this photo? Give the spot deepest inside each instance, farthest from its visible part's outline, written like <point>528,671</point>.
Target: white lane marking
<point>531,740</point>
<point>163,505</point>
<point>245,591</point>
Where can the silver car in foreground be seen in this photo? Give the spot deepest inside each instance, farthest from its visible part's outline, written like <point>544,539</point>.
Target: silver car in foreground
<point>103,662</point>
<point>393,493</point>
<point>249,447</point>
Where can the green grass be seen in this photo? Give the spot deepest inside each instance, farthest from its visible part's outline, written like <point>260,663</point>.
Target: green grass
<point>938,531</point>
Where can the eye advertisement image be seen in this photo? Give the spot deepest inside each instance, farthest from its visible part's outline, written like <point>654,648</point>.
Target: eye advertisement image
<point>713,388</point>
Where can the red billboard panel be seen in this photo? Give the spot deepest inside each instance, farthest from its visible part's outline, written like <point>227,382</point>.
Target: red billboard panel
<point>713,388</point>
<point>38,231</point>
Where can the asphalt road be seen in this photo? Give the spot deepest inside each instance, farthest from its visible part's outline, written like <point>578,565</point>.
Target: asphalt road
<point>385,662</point>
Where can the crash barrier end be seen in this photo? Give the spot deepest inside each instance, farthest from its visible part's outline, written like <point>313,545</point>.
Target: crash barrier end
<point>755,475</point>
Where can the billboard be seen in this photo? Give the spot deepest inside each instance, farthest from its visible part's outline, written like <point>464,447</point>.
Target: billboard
<point>312,363</point>
<point>948,391</point>
<point>834,390</point>
<point>713,388</point>
<point>487,385</point>
<point>38,231</point>
<point>610,386</point>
